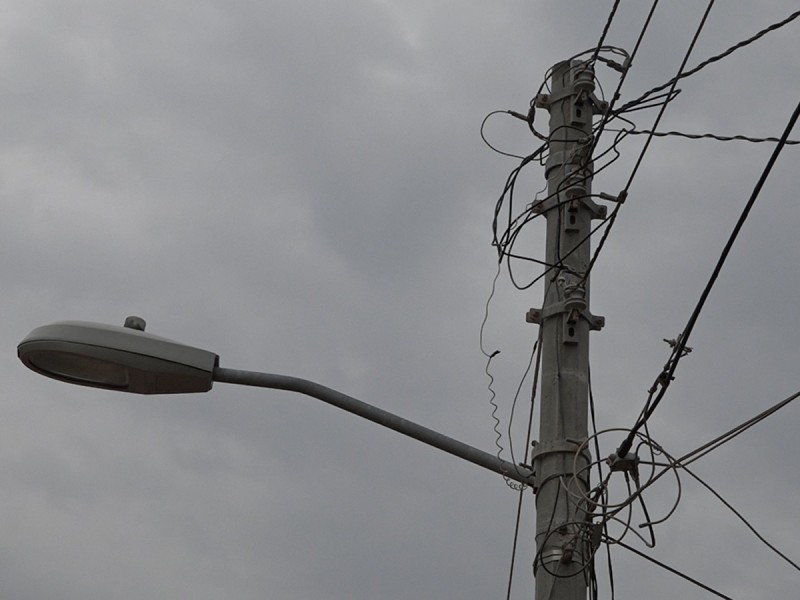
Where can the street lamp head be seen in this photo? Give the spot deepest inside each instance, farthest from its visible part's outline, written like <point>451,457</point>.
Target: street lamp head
<point>117,358</point>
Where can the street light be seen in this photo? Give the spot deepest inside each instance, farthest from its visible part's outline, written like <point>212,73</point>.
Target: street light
<point>129,360</point>
<point>117,358</point>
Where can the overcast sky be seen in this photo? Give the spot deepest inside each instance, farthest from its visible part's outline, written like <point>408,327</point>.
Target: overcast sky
<point>301,188</point>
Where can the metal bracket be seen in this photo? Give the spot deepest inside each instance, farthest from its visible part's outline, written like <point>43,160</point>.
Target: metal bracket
<point>539,315</point>
<point>547,100</point>
<point>596,211</point>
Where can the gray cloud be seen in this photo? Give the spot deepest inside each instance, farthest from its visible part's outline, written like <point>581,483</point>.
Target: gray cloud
<point>301,187</point>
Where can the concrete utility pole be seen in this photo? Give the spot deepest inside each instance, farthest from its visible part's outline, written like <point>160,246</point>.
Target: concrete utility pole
<point>562,531</point>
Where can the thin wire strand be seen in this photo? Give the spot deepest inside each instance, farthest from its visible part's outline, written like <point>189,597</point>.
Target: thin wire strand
<point>674,571</point>
<point>538,347</point>
<point>486,141</point>
<point>726,437</point>
<point>742,519</point>
<point>609,563</point>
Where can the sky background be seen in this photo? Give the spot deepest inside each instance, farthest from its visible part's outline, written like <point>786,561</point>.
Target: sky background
<point>301,188</point>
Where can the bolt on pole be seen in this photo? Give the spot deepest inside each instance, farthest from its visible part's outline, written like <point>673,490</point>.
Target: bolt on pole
<point>564,551</point>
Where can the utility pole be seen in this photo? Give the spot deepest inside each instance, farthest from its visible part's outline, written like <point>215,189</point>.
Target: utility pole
<point>563,540</point>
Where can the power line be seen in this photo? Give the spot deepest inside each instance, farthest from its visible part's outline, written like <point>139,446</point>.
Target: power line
<point>742,519</point>
<point>726,437</point>
<point>674,571</point>
<point>670,94</point>
<point>605,30</point>
<point>626,70</point>
<point>674,464</point>
<point>672,89</point>
<point>666,376</point>
<point>714,59</point>
<point>713,136</point>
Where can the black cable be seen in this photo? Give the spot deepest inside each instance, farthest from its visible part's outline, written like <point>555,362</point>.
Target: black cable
<point>742,519</point>
<point>672,89</point>
<point>507,240</point>
<point>626,70</point>
<point>536,354</point>
<point>538,350</point>
<point>674,571</point>
<point>650,103</point>
<point>605,30</point>
<point>698,136</point>
<point>505,243</point>
<point>666,376</point>
<point>514,545</point>
<point>514,406</point>
<point>486,141</point>
<point>675,463</point>
<point>714,59</point>
<point>600,477</point>
<point>609,115</point>
<point>726,437</point>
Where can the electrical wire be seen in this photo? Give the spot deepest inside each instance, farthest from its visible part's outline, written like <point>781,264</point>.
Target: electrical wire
<point>670,94</point>
<point>672,89</point>
<point>666,376</point>
<point>675,571</point>
<point>492,394</point>
<point>674,464</point>
<point>486,141</point>
<point>610,114</point>
<point>698,136</point>
<point>600,477</point>
<point>625,70</point>
<point>538,350</point>
<point>742,519</point>
<point>606,27</point>
<point>714,59</point>
<point>726,437</point>
<point>505,242</point>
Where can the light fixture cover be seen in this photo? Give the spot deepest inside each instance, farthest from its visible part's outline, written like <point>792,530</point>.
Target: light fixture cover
<point>116,358</point>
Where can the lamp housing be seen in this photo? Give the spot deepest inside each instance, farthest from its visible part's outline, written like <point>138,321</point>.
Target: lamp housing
<point>117,358</point>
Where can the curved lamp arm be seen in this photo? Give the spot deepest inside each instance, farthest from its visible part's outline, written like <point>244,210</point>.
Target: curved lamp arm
<point>376,415</point>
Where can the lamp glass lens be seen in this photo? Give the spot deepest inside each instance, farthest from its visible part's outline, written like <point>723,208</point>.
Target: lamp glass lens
<point>80,369</point>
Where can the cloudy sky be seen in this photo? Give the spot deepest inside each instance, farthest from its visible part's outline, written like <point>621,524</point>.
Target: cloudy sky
<point>301,187</point>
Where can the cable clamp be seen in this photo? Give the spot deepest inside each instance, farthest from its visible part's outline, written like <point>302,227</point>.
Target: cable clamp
<point>673,343</point>
<point>627,463</point>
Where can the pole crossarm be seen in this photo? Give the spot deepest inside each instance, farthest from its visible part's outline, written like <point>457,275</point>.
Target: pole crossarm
<point>377,415</point>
